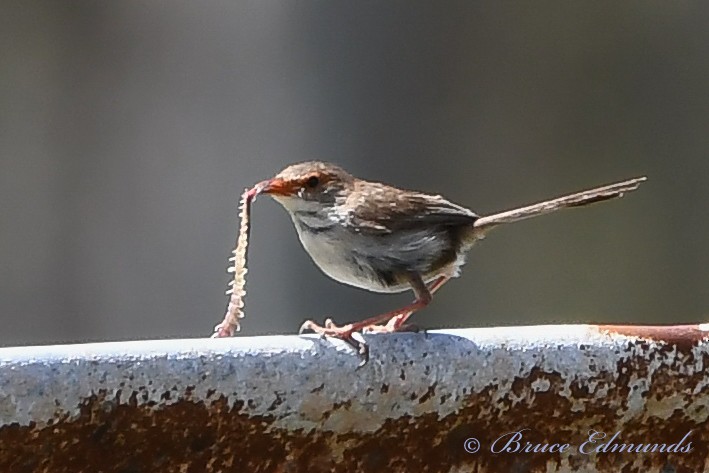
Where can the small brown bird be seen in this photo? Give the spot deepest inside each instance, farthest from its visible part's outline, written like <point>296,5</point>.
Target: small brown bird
<point>384,239</point>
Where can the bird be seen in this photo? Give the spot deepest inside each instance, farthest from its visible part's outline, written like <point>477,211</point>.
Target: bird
<point>385,239</point>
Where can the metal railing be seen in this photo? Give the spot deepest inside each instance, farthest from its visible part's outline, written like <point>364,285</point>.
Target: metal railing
<point>514,399</point>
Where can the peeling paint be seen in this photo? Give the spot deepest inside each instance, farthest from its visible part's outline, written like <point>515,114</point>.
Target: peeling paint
<point>289,404</point>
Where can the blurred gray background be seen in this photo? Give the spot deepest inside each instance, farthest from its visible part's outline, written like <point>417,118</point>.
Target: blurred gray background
<point>129,129</point>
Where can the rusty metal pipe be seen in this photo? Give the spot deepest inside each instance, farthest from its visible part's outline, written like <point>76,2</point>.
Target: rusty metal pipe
<point>422,403</point>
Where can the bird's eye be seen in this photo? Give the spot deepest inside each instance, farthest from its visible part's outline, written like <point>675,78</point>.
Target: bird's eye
<point>312,182</point>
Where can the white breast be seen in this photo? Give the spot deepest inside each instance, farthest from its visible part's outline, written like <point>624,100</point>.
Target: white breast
<point>329,251</point>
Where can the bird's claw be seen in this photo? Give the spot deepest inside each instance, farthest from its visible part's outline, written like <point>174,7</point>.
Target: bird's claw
<point>307,325</point>
<point>344,333</point>
<point>356,341</point>
<point>363,352</point>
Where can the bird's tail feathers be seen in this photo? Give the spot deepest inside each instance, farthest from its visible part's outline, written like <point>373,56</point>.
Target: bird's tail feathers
<point>578,199</point>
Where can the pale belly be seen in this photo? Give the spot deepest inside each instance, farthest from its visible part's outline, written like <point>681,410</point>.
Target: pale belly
<point>352,258</point>
<point>335,260</point>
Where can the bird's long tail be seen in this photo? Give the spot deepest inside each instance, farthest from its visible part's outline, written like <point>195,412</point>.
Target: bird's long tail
<point>598,194</point>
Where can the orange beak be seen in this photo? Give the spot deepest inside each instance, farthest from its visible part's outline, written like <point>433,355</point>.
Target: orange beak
<point>276,186</point>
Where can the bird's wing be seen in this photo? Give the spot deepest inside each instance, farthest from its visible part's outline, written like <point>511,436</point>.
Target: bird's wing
<point>383,209</point>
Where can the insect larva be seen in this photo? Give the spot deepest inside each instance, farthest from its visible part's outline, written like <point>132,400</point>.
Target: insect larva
<point>237,285</point>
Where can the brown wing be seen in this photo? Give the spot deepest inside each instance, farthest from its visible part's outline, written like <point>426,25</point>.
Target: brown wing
<point>388,209</point>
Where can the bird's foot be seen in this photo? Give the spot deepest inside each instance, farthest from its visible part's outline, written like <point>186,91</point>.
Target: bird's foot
<point>413,328</point>
<point>345,333</point>
<point>395,324</point>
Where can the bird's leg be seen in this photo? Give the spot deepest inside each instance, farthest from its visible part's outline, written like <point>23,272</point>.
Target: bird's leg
<point>423,298</point>
<point>397,322</point>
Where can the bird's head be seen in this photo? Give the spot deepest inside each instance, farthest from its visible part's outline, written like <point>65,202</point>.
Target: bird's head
<point>308,187</point>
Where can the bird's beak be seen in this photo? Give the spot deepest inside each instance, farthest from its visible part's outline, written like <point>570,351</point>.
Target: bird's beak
<point>275,187</point>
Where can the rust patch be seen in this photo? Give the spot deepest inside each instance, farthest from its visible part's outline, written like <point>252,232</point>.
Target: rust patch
<point>683,336</point>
